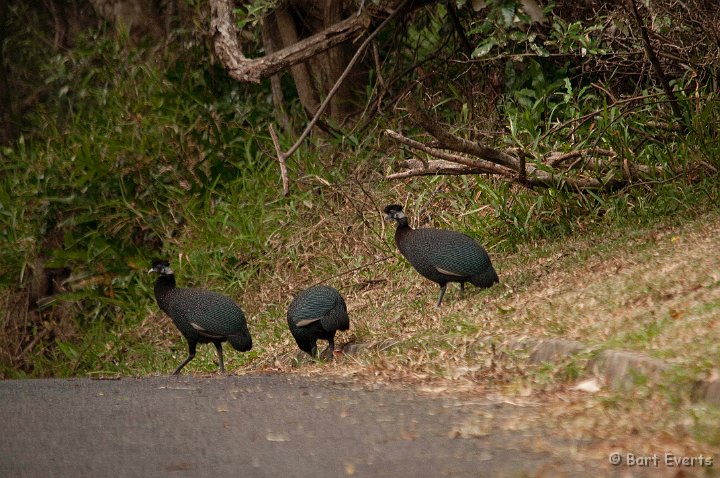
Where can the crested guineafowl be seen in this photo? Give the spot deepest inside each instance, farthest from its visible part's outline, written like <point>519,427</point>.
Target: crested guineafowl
<point>201,315</point>
<point>317,313</point>
<point>442,256</point>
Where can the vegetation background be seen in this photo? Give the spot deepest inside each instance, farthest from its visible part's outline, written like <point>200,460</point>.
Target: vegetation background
<point>125,139</point>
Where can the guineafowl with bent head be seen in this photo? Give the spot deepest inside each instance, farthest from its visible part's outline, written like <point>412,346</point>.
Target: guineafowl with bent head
<point>442,256</point>
<point>202,316</point>
<point>316,314</point>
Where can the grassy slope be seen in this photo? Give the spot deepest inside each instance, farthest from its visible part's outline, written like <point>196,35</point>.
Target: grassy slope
<point>654,289</point>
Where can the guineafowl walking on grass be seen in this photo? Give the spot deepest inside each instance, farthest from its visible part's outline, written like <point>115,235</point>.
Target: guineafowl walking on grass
<point>316,314</point>
<point>202,316</point>
<point>442,256</point>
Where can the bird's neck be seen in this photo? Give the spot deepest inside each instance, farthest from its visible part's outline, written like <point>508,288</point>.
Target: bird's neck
<point>402,228</point>
<point>164,284</point>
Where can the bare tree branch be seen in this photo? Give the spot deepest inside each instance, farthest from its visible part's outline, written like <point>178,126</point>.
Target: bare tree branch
<point>556,159</point>
<point>253,70</point>
<point>415,167</point>
<point>541,178</point>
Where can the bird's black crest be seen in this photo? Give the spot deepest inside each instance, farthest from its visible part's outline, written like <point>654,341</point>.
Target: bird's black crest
<point>160,262</point>
<point>393,208</point>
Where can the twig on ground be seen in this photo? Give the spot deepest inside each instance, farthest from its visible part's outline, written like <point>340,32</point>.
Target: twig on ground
<point>281,160</point>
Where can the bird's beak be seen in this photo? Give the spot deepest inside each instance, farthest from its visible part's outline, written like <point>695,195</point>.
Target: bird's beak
<point>151,270</point>
<point>388,217</point>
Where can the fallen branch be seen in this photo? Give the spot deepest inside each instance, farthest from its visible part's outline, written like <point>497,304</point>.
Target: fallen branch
<point>281,159</point>
<point>455,143</point>
<point>591,171</point>
<point>556,159</point>
<point>477,165</point>
<point>522,170</point>
<point>588,160</point>
<point>540,178</point>
<point>415,167</point>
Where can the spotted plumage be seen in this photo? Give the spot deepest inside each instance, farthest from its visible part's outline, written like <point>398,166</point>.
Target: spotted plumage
<point>316,314</point>
<point>202,316</point>
<point>442,256</point>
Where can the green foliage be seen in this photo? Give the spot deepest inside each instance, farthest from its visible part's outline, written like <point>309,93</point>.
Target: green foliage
<point>127,150</point>
<point>504,28</point>
<point>253,12</point>
<point>123,163</point>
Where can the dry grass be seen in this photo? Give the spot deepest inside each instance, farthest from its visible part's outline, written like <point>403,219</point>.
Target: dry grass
<point>656,291</point>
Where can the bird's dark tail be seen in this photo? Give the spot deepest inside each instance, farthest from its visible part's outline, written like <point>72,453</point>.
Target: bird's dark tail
<point>241,342</point>
<point>486,279</point>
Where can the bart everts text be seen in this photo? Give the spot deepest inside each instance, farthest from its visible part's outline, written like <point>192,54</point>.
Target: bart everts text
<point>656,460</point>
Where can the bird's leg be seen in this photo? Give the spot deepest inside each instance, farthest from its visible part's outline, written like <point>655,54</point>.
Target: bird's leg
<point>218,347</point>
<point>331,349</point>
<point>191,355</point>
<point>442,293</point>
<point>462,290</point>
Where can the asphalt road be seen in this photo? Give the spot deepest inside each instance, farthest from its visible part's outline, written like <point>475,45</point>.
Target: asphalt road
<point>263,426</point>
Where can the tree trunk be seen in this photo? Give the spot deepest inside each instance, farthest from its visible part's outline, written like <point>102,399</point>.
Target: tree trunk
<point>316,76</point>
<point>271,45</point>
<point>288,35</point>
<point>333,63</point>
